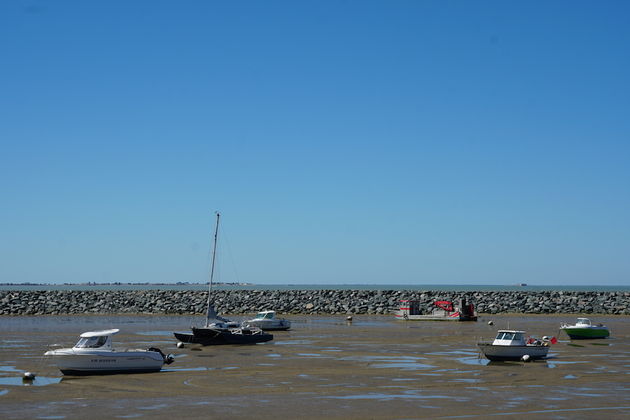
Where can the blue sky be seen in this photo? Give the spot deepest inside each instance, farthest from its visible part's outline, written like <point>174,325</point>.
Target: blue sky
<point>416,142</point>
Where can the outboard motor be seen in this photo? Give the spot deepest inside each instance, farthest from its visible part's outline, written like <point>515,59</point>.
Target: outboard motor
<point>467,310</point>
<point>168,359</point>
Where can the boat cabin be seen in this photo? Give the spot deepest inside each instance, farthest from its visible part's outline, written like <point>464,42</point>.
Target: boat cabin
<point>509,338</point>
<point>583,322</point>
<point>266,315</point>
<point>96,340</point>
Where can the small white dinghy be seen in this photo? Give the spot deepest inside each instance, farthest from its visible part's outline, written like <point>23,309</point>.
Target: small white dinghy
<point>267,321</point>
<point>94,355</point>
<point>512,345</point>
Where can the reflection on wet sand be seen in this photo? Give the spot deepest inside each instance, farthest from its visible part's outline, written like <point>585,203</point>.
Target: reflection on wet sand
<point>374,367</point>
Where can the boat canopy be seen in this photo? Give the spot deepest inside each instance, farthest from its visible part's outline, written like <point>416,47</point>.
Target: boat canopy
<point>99,333</point>
<point>583,321</point>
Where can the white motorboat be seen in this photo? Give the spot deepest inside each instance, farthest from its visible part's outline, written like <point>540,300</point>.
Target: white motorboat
<point>94,354</point>
<point>513,345</point>
<point>267,321</point>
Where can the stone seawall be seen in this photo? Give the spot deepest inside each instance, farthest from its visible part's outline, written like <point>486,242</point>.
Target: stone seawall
<point>303,301</point>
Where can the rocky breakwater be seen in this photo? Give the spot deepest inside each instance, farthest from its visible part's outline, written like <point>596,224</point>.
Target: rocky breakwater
<point>303,301</point>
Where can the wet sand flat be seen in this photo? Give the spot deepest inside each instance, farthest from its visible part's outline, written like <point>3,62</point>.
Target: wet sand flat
<point>375,367</point>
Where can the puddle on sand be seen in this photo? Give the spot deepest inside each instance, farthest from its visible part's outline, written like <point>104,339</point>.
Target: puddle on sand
<point>466,380</point>
<point>375,396</point>
<point>38,381</point>
<point>51,417</point>
<point>400,362</point>
<point>4,391</point>
<point>129,416</point>
<point>570,377</point>
<point>167,333</point>
<point>289,342</point>
<point>13,344</point>
<point>452,352</point>
<point>473,360</point>
<point>154,407</point>
<point>9,369</point>
<point>186,369</point>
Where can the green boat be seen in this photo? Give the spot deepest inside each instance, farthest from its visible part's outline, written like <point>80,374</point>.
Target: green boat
<point>583,329</point>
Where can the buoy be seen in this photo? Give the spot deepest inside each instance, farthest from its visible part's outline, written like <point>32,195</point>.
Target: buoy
<point>525,358</point>
<point>349,318</point>
<point>28,376</point>
<point>180,345</point>
<point>490,323</point>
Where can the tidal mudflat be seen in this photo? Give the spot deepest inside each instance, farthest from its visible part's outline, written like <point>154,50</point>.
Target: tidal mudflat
<point>325,367</point>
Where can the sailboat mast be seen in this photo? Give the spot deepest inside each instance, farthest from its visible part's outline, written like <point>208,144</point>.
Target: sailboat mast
<point>214,251</point>
<point>210,308</point>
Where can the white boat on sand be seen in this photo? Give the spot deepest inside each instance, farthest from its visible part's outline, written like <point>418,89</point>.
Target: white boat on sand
<point>267,321</point>
<point>94,354</point>
<point>583,329</point>
<point>513,345</point>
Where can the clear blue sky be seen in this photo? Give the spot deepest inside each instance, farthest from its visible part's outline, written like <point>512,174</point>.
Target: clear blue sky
<point>483,142</point>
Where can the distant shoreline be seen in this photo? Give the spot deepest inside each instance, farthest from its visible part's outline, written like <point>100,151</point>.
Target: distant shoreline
<point>186,283</point>
<point>92,283</point>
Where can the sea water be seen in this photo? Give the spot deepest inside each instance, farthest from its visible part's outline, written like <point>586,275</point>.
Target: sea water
<point>432,287</point>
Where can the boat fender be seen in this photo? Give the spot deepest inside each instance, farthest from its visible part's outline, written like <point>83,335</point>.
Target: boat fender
<point>169,359</point>
<point>525,358</point>
<point>28,376</point>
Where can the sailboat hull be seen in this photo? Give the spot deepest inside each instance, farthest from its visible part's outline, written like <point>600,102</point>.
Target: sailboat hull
<point>211,336</point>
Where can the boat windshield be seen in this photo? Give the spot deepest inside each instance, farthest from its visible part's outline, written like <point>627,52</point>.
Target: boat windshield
<point>509,336</point>
<point>91,342</point>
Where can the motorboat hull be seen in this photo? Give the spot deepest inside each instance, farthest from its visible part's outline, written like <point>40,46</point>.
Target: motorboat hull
<point>578,333</point>
<point>270,325</point>
<point>71,362</point>
<point>211,336</point>
<point>504,353</point>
